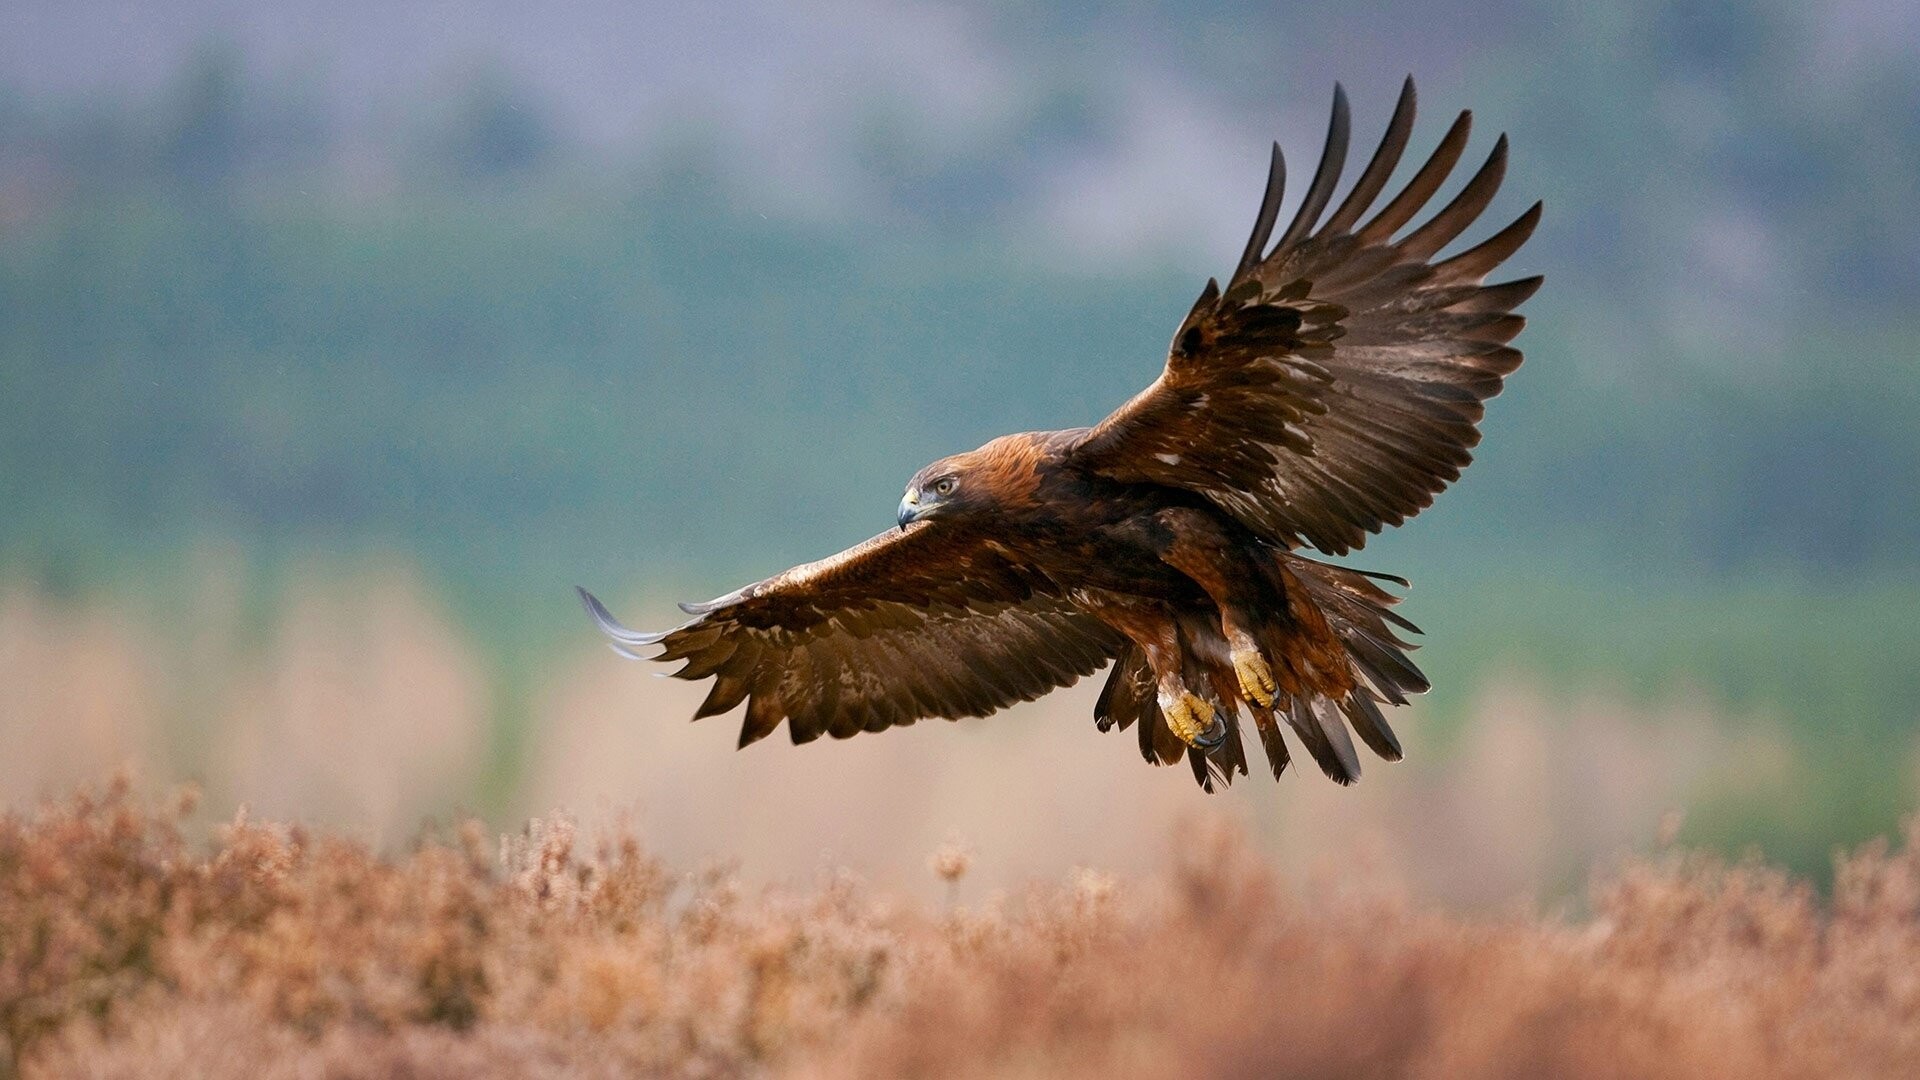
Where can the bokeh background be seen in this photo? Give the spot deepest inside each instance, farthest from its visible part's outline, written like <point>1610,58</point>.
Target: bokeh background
<point>339,340</point>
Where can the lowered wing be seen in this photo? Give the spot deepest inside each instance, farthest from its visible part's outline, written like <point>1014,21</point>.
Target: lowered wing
<point>929,621</point>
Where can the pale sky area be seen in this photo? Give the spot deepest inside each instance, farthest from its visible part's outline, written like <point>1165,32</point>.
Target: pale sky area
<point>784,88</point>
<point>1175,105</point>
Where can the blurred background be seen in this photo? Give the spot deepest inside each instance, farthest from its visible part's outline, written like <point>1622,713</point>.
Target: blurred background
<point>339,340</point>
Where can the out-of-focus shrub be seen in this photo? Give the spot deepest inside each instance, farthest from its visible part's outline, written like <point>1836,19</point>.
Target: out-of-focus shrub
<point>127,950</point>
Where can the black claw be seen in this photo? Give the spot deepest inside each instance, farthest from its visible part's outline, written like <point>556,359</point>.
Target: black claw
<point>1211,738</point>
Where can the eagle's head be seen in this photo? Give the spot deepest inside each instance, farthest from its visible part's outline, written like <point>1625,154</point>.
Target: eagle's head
<point>939,490</point>
<point>979,481</point>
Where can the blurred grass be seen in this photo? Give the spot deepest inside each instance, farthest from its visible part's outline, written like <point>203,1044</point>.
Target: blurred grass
<point>1827,657</point>
<point>1823,668</point>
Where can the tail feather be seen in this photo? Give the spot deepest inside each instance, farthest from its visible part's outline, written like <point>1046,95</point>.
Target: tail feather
<point>1205,769</point>
<point>1325,737</point>
<point>1217,767</point>
<point>1158,743</point>
<point>1359,612</point>
<point>1386,667</point>
<point>1237,756</point>
<point>1370,725</point>
<point>1271,739</point>
<point>1327,714</point>
<point>1128,701</point>
<point>1335,753</point>
<point>1128,691</point>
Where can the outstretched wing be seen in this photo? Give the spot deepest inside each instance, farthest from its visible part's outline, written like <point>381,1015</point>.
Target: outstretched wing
<point>930,621</point>
<point>1334,387</point>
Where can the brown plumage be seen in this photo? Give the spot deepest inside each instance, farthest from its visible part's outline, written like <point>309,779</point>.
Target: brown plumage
<point>1331,389</point>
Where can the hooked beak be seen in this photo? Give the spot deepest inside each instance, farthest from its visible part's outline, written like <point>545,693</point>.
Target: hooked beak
<point>909,510</point>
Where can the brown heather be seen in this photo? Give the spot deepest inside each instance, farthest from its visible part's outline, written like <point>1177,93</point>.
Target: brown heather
<point>127,950</point>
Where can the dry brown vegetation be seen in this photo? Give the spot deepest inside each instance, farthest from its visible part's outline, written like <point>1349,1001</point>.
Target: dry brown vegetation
<point>127,949</point>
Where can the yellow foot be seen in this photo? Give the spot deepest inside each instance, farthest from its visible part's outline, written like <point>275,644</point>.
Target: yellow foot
<point>1256,678</point>
<point>1192,719</point>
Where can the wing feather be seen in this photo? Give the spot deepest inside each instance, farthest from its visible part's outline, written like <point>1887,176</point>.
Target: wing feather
<point>930,621</point>
<point>1380,168</point>
<point>1401,208</point>
<point>1269,212</point>
<point>1333,157</point>
<point>1336,385</point>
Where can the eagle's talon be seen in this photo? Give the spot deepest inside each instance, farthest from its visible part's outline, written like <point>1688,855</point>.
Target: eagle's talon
<point>1255,675</point>
<point>1210,739</point>
<point>1195,721</point>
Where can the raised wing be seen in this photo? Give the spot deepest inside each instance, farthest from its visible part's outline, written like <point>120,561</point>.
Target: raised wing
<point>930,621</point>
<point>1335,386</point>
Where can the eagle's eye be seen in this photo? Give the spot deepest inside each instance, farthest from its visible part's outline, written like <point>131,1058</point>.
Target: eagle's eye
<point>945,485</point>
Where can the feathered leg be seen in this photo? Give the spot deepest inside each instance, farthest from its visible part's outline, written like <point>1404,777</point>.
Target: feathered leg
<point>1199,547</point>
<point>1198,721</point>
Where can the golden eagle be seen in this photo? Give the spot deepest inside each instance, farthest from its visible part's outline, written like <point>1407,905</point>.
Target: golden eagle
<point>1331,389</point>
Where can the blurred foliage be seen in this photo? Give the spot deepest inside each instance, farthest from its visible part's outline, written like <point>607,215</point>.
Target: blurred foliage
<point>276,948</point>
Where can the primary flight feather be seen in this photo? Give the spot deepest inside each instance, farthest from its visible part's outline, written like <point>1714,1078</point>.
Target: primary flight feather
<point>1329,390</point>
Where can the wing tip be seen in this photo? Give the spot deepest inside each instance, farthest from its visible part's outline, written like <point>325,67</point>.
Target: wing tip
<point>624,640</point>
<point>1265,219</point>
<point>1526,287</point>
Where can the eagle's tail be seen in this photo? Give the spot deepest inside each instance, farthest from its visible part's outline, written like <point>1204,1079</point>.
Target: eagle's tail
<point>1360,615</point>
<point>1338,659</point>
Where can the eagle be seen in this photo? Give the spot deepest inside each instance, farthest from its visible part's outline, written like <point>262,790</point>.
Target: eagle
<point>1330,389</point>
